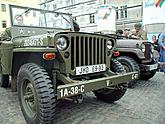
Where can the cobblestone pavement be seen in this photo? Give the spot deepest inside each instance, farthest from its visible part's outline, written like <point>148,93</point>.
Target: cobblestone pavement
<point>143,104</point>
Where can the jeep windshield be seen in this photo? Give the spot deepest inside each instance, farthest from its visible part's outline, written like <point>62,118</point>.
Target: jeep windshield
<point>30,17</point>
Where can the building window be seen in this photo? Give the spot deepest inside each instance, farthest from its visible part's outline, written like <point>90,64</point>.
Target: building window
<point>70,2</point>
<point>121,12</point>
<point>91,18</point>
<point>34,13</point>
<point>125,11</point>
<point>4,24</point>
<point>54,7</point>
<point>117,13</point>
<point>48,7</point>
<point>142,9</point>
<point>3,7</point>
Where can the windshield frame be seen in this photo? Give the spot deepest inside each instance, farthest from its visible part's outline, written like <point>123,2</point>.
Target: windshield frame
<point>41,10</point>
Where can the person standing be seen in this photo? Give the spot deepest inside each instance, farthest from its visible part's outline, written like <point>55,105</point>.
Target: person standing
<point>140,32</point>
<point>119,32</point>
<point>133,34</point>
<point>6,35</point>
<point>161,42</point>
<point>154,40</point>
<point>126,32</point>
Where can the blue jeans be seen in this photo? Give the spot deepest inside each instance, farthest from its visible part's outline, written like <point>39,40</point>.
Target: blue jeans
<point>162,59</point>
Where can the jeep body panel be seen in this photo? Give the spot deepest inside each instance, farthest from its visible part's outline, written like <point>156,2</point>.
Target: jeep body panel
<point>133,48</point>
<point>48,61</point>
<point>6,57</point>
<point>8,49</point>
<point>129,43</point>
<point>62,65</point>
<point>143,53</point>
<point>32,49</point>
<point>28,44</point>
<point>137,52</point>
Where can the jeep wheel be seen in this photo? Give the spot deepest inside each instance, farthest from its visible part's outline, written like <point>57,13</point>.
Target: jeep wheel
<point>36,94</point>
<point>130,65</point>
<point>4,81</point>
<point>147,75</point>
<point>113,94</point>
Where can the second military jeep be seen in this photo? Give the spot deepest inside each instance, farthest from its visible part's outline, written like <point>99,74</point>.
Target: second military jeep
<point>138,55</point>
<point>48,61</point>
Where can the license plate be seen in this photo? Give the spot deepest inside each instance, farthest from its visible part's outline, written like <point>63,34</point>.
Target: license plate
<point>65,92</point>
<point>153,67</point>
<point>90,69</point>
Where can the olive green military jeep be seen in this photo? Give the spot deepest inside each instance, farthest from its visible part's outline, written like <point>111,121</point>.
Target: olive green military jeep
<point>48,61</point>
<point>137,55</point>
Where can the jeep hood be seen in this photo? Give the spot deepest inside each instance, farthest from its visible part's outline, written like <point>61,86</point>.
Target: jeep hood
<point>129,43</point>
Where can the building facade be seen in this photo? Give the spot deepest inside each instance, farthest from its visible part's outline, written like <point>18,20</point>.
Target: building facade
<point>4,10</point>
<point>128,12</point>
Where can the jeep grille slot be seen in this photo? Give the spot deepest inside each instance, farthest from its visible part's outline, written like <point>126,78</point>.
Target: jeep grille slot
<point>87,51</point>
<point>148,53</point>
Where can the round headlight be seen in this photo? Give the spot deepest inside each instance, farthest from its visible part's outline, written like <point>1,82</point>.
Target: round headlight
<point>152,48</point>
<point>62,43</point>
<point>143,48</point>
<point>109,45</point>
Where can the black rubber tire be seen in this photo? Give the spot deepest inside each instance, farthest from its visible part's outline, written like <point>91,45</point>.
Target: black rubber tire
<point>147,75</point>
<point>4,81</point>
<point>112,95</point>
<point>44,94</point>
<point>130,65</point>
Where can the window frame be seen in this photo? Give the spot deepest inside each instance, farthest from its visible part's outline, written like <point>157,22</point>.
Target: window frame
<point>121,12</point>
<point>4,24</point>
<point>91,18</point>
<point>125,11</point>
<point>3,7</point>
<point>117,13</point>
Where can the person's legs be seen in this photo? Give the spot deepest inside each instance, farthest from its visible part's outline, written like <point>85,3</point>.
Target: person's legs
<point>162,59</point>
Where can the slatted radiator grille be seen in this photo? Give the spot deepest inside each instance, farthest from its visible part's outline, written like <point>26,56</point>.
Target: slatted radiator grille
<point>87,51</point>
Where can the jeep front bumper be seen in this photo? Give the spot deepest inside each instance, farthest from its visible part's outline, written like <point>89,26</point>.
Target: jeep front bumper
<point>75,87</point>
<point>149,67</point>
<point>161,65</point>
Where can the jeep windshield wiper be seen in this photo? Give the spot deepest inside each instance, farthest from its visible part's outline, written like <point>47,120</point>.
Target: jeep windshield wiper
<point>27,10</point>
<point>65,19</point>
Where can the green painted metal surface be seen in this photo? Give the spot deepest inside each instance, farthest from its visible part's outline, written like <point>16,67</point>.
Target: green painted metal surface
<point>80,87</point>
<point>6,57</point>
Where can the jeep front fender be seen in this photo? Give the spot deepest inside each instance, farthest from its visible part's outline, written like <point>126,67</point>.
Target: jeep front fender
<point>137,52</point>
<point>6,57</point>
